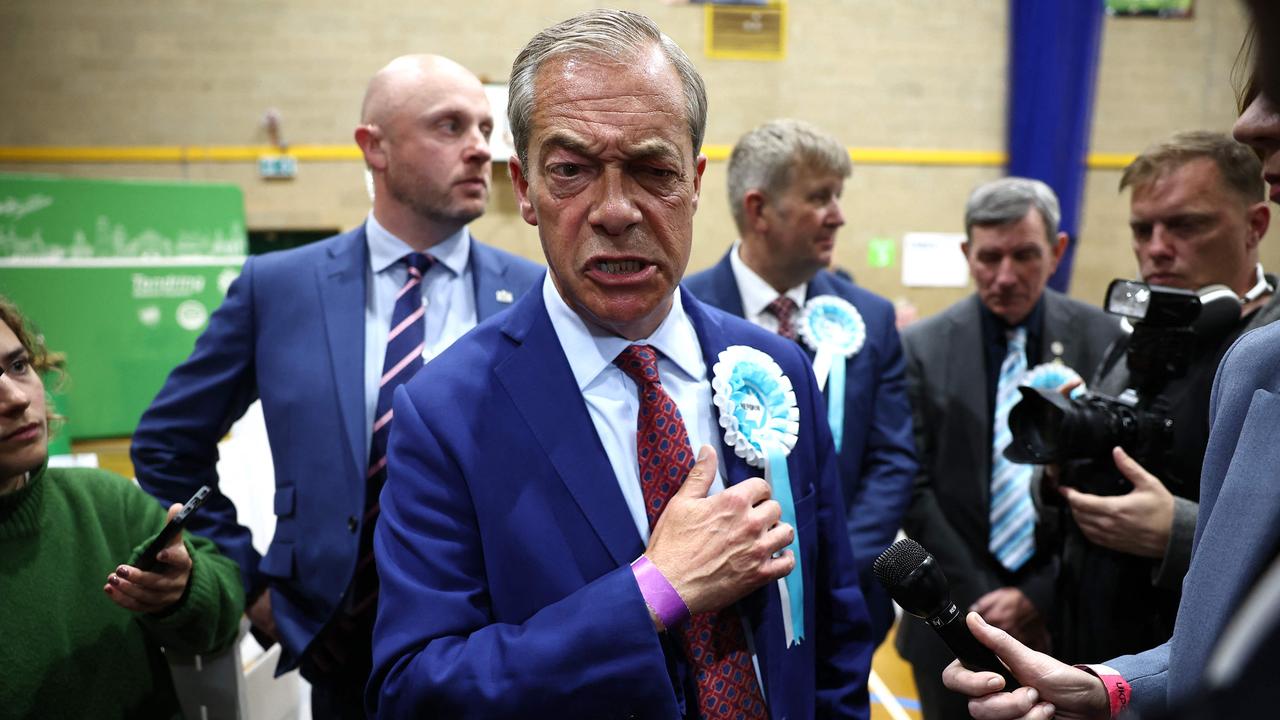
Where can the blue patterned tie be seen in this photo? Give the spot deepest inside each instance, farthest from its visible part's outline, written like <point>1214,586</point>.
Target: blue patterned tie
<point>404,358</point>
<point>1013,518</point>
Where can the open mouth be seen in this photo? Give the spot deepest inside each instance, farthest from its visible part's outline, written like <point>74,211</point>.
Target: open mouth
<point>619,271</point>
<point>620,267</point>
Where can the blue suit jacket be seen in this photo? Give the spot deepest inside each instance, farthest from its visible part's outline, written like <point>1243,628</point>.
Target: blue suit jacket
<point>1238,528</point>
<point>290,331</point>
<point>504,547</point>
<point>877,455</point>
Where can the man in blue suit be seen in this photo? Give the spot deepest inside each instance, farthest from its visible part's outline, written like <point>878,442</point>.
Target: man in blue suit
<point>548,546</point>
<point>306,331</point>
<point>785,182</point>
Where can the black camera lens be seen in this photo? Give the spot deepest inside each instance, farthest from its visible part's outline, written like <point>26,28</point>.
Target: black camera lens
<point>1049,428</point>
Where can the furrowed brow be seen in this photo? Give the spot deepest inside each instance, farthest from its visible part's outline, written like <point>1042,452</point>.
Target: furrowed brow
<point>566,141</point>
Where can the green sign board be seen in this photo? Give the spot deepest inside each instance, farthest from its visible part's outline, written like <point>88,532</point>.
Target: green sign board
<point>52,218</point>
<point>1162,8</point>
<point>121,276</point>
<point>122,329</point>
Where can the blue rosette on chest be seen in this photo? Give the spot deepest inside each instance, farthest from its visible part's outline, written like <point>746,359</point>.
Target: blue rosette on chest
<point>835,331</point>
<point>757,408</point>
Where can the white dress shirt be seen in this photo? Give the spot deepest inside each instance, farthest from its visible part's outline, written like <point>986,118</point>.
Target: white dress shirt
<point>613,399</point>
<point>448,295</point>
<point>757,294</point>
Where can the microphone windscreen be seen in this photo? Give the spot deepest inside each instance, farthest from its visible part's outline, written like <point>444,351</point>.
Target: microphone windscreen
<point>899,561</point>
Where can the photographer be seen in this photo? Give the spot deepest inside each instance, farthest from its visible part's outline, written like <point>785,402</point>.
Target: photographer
<point>1197,213</point>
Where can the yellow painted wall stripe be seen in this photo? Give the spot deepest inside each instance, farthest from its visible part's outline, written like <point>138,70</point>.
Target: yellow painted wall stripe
<point>163,154</point>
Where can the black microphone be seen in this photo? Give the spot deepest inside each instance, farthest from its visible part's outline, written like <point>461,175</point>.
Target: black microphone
<point>915,582</point>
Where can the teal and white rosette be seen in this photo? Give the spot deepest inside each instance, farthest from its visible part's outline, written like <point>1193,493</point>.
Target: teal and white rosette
<point>834,330</point>
<point>761,422</point>
<point>1053,375</point>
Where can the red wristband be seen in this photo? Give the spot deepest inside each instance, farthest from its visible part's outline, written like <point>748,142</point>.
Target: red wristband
<point>659,594</point>
<point>1118,691</point>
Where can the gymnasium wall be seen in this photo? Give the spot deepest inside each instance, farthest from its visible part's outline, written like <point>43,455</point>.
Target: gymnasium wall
<point>154,76</point>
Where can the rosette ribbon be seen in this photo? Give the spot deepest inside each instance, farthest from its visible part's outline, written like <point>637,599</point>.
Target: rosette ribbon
<point>1053,375</point>
<point>761,422</point>
<point>834,330</point>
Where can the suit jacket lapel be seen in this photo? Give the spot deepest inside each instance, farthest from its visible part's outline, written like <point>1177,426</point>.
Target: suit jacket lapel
<point>489,270</point>
<point>541,385</point>
<point>341,284</point>
<point>965,362</point>
<point>713,339</point>
<point>1060,331</point>
<point>724,292</point>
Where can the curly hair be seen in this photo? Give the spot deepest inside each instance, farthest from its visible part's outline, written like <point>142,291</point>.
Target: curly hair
<point>50,365</point>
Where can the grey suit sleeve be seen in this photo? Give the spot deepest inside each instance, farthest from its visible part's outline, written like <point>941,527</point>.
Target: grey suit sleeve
<point>1177,554</point>
<point>1147,674</point>
<point>926,520</point>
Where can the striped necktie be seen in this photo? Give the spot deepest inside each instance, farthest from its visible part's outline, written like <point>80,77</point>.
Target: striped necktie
<point>405,343</point>
<point>1013,517</point>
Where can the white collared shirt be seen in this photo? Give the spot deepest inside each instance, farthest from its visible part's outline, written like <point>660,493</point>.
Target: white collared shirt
<point>757,294</point>
<point>613,399</point>
<point>448,295</point>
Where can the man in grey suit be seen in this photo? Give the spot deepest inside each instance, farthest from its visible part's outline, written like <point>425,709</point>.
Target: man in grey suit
<point>1198,213</point>
<point>971,508</point>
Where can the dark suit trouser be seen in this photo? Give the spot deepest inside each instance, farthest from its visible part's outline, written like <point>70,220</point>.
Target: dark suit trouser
<point>338,694</point>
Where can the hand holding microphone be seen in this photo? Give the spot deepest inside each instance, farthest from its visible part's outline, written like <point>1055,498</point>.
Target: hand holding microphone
<point>916,582</point>
<point>987,655</point>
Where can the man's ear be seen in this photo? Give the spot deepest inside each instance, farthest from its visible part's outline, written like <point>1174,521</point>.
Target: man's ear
<point>520,183</point>
<point>1059,248</point>
<point>753,203</point>
<point>371,141</point>
<point>700,165</point>
<point>1259,221</point>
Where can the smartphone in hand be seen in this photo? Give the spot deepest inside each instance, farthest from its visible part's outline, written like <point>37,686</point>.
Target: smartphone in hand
<point>147,559</point>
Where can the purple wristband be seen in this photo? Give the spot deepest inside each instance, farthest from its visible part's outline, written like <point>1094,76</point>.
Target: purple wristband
<point>658,593</point>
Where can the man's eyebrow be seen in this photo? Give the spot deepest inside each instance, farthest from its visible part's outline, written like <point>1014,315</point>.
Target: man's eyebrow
<point>15,355</point>
<point>655,149</point>
<point>567,141</point>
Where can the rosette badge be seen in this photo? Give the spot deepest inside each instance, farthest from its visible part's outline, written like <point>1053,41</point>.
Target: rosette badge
<point>757,404</point>
<point>761,423</point>
<point>1053,375</point>
<point>835,331</point>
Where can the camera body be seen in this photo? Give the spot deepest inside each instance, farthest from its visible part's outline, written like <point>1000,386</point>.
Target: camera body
<point>1167,324</point>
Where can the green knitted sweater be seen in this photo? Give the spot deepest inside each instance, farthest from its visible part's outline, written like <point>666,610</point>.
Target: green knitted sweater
<point>68,651</point>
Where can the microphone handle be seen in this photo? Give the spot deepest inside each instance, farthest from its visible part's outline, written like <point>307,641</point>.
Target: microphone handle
<point>975,656</point>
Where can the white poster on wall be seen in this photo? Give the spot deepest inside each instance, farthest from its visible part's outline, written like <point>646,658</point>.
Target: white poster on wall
<point>501,144</point>
<point>934,260</point>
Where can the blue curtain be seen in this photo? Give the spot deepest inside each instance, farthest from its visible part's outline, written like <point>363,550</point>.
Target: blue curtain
<point>1053,61</point>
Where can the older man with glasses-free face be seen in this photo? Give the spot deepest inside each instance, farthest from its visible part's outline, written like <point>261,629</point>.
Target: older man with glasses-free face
<point>548,544</point>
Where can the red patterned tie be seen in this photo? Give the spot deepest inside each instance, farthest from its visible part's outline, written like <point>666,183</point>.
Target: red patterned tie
<point>784,308</point>
<point>714,642</point>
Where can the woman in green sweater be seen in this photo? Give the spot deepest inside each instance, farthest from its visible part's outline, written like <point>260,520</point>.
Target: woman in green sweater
<point>81,629</point>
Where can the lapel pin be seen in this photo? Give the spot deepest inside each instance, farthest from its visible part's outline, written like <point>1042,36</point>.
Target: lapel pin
<point>504,296</point>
